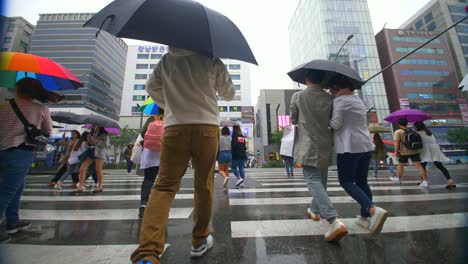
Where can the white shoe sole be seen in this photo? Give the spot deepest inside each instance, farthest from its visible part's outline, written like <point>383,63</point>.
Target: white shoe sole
<point>381,218</point>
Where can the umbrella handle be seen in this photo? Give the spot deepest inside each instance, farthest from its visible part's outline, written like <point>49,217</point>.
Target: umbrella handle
<point>102,24</point>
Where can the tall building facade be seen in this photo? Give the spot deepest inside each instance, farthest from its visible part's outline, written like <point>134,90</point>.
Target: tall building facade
<point>141,61</point>
<point>319,28</point>
<point>426,80</point>
<point>15,34</point>
<point>97,61</point>
<point>437,15</point>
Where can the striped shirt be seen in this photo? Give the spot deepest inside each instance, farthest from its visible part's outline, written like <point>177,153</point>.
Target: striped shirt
<point>12,129</point>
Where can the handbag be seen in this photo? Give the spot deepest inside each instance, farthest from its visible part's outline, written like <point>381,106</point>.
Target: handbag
<point>34,136</point>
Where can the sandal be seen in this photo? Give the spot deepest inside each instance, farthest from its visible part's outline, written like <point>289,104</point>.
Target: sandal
<point>453,186</point>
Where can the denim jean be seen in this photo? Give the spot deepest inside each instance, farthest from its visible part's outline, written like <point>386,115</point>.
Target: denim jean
<point>353,169</point>
<point>150,176</point>
<point>376,167</point>
<point>289,165</point>
<point>14,166</point>
<point>71,169</point>
<point>237,167</point>
<point>129,165</point>
<point>316,180</point>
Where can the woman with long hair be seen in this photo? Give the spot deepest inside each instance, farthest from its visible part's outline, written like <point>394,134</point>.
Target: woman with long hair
<point>16,153</point>
<point>239,155</point>
<point>431,152</point>
<point>380,154</point>
<point>225,155</point>
<point>73,161</point>
<point>98,140</point>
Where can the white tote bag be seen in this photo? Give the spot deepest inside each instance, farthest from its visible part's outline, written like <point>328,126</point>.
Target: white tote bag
<point>287,141</point>
<point>137,150</point>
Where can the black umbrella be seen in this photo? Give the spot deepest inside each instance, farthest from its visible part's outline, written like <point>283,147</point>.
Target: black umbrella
<point>331,69</point>
<point>65,117</point>
<point>97,121</point>
<point>183,24</point>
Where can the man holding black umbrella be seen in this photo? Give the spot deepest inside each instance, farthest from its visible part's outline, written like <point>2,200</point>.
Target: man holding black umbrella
<point>185,85</point>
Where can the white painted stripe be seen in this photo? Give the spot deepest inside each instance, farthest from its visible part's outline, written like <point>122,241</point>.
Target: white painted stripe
<point>106,189</point>
<point>331,183</point>
<point>94,215</point>
<point>307,227</point>
<point>348,199</point>
<point>331,189</point>
<point>33,198</point>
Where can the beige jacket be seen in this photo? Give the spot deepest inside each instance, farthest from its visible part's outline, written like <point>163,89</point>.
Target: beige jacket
<point>185,84</point>
<point>311,110</point>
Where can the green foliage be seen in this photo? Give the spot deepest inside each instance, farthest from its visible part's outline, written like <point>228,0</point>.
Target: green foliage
<point>127,136</point>
<point>273,164</point>
<point>458,136</point>
<point>111,166</point>
<point>276,139</point>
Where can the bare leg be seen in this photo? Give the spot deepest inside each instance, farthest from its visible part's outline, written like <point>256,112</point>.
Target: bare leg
<point>100,173</point>
<point>401,169</point>
<point>421,169</point>
<point>83,168</point>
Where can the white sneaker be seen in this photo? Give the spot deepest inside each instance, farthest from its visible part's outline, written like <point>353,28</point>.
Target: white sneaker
<point>239,181</point>
<point>424,184</point>
<point>336,231</point>
<point>201,250</point>
<point>226,182</point>
<point>377,220</point>
<point>362,223</point>
<point>395,179</point>
<point>315,217</point>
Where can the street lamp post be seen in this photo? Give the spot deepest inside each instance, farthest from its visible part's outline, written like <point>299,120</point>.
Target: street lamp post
<point>141,116</point>
<point>277,122</point>
<point>338,53</point>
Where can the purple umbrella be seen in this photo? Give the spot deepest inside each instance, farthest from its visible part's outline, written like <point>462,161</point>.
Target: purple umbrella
<point>412,115</point>
<point>109,130</point>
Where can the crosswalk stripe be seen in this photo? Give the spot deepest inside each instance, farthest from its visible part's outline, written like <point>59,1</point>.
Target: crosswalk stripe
<point>307,227</point>
<point>330,183</point>
<point>395,187</point>
<point>95,214</point>
<point>33,198</point>
<point>106,189</point>
<point>348,199</point>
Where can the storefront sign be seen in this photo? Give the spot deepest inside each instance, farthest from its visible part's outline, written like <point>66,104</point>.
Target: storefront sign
<point>404,103</point>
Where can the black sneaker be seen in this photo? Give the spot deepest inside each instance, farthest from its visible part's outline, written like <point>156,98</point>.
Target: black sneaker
<point>141,211</point>
<point>4,238</point>
<point>21,225</point>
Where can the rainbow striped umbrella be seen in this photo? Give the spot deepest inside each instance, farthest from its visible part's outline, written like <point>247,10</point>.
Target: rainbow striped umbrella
<point>53,76</point>
<point>149,107</point>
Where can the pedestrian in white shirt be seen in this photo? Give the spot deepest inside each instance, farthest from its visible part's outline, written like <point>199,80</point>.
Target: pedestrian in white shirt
<point>354,148</point>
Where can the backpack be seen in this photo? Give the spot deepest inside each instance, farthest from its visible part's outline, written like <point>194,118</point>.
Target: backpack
<point>153,136</point>
<point>412,140</point>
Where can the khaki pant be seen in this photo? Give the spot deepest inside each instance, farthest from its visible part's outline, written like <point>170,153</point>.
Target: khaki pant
<point>179,143</point>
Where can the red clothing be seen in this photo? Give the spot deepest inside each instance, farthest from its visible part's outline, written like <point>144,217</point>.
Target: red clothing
<point>12,129</point>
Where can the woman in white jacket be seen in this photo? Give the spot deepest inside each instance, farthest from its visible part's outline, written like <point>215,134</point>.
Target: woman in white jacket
<point>431,152</point>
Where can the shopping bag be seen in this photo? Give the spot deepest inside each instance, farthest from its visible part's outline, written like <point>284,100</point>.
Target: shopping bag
<point>137,150</point>
<point>287,141</point>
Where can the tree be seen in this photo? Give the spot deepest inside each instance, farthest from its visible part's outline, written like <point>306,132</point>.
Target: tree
<point>127,136</point>
<point>276,139</point>
<point>458,136</point>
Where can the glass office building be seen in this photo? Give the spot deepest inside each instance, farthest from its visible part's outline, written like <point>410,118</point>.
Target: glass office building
<point>97,61</point>
<point>319,28</point>
<point>437,15</point>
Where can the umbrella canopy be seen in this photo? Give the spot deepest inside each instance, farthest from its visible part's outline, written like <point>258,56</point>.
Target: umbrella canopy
<point>331,68</point>
<point>97,121</point>
<point>149,107</point>
<point>183,24</point>
<point>412,115</point>
<point>110,130</point>
<point>65,117</point>
<point>53,76</point>
<point>378,128</point>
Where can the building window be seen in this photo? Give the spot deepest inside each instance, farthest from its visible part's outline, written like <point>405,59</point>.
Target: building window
<point>135,109</point>
<point>139,98</point>
<point>156,56</point>
<point>234,66</point>
<point>152,66</point>
<point>446,108</point>
<point>235,109</point>
<point>414,39</point>
<point>457,18</point>
<point>223,108</point>
<point>432,27</point>
<point>139,87</point>
<point>424,62</point>
<point>428,17</point>
<point>456,9</point>
<point>141,76</point>
<point>7,40</point>
<point>462,29</point>
<point>143,56</point>
<point>428,96</point>
<point>237,98</point>
<point>235,76</point>
<point>237,87</point>
<point>424,73</point>
<point>11,27</point>
<point>422,50</point>
<point>142,66</point>
<point>463,39</point>
<point>419,25</point>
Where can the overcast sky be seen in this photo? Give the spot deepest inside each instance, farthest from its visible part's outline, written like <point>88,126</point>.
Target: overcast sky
<point>264,24</point>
